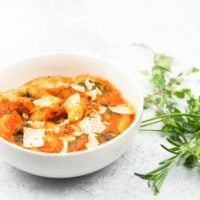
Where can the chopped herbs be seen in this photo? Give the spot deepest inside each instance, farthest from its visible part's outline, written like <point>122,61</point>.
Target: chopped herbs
<point>27,125</point>
<point>97,85</point>
<point>181,126</point>
<point>18,136</point>
<point>102,87</point>
<point>26,94</point>
<point>104,137</point>
<point>82,84</point>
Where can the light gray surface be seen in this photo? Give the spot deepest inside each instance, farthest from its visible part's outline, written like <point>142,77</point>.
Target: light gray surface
<point>106,28</point>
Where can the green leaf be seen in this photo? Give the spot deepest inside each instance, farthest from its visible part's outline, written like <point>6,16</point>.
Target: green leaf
<point>147,102</point>
<point>166,128</point>
<point>195,69</point>
<point>158,80</point>
<point>163,61</point>
<point>180,124</point>
<point>191,161</point>
<point>179,94</point>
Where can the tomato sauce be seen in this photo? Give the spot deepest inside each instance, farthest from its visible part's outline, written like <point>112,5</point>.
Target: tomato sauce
<point>57,114</point>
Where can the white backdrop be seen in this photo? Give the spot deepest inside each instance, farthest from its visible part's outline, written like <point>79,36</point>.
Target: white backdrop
<point>111,29</point>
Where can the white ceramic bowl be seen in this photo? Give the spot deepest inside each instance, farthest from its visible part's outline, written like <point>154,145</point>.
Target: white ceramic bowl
<point>76,163</point>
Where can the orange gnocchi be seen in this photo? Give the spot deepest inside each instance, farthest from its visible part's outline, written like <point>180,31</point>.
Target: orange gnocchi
<point>56,114</point>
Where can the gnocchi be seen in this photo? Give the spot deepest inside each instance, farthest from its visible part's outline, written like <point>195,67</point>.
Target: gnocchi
<point>56,114</point>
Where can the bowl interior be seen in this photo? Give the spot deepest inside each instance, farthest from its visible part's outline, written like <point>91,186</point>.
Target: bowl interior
<point>70,65</point>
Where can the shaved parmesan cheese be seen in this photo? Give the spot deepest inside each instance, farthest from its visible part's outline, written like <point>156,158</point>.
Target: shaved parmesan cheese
<point>36,124</point>
<point>71,138</point>
<point>91,125</point>
<point>65,146</point>
<point>99,91</point>
<point>74,107</point>
<point>53,85</point>
<point>66,121</point>
<point>122,109</point>
<point>76,128</point>
<point>102,109</point>
<point>57,128</point>
<point>33,137</point>
<point>92,141</point>
<point>106,123</point>
<point>77,133</point>
<point>61,84</point>
<point>73,99</point>
<point>95,111</point>
<point>79,88</point>
<point>46,101</point>
<point>89,84</point>
<point>92,94</point>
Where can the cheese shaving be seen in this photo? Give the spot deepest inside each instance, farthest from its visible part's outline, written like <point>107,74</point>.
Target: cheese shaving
<point>78,88</point>
<point>36,124</point>
<point>65,146</point>
<point>77,133</point>
<point>46,101</point>
<point>89,84</point>
<point>73,100</point>
<point>33,137</point>
<point>122,109</point>
<point>91,125</point>
<point>102,109</point>
<point>92,141</point>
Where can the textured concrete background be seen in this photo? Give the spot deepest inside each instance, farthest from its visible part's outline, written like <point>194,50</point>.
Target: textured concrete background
<point>111,29</point>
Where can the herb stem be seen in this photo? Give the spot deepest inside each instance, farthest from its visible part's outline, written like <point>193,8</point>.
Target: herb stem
<point>149,123</point>
<point>182,128</point>
<point>170,115</point>
<point>151,130</point>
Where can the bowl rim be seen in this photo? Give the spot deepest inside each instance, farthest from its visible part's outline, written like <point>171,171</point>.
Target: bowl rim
<point>99,147</point>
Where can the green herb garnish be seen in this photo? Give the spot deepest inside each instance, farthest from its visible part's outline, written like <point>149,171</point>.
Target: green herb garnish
<point>82,84</point>
<point>181,126</point>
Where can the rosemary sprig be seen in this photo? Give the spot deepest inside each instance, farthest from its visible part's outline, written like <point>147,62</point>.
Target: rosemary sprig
<point>157,177</point>
<point>181,128</point>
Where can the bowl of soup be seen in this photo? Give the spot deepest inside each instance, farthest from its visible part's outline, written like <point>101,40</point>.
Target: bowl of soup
<point>66,115</point>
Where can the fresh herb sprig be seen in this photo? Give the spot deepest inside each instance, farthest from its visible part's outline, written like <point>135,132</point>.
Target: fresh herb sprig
<point>180,126</point>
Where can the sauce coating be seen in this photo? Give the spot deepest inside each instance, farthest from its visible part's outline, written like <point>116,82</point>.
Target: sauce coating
<point>56,114</point>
